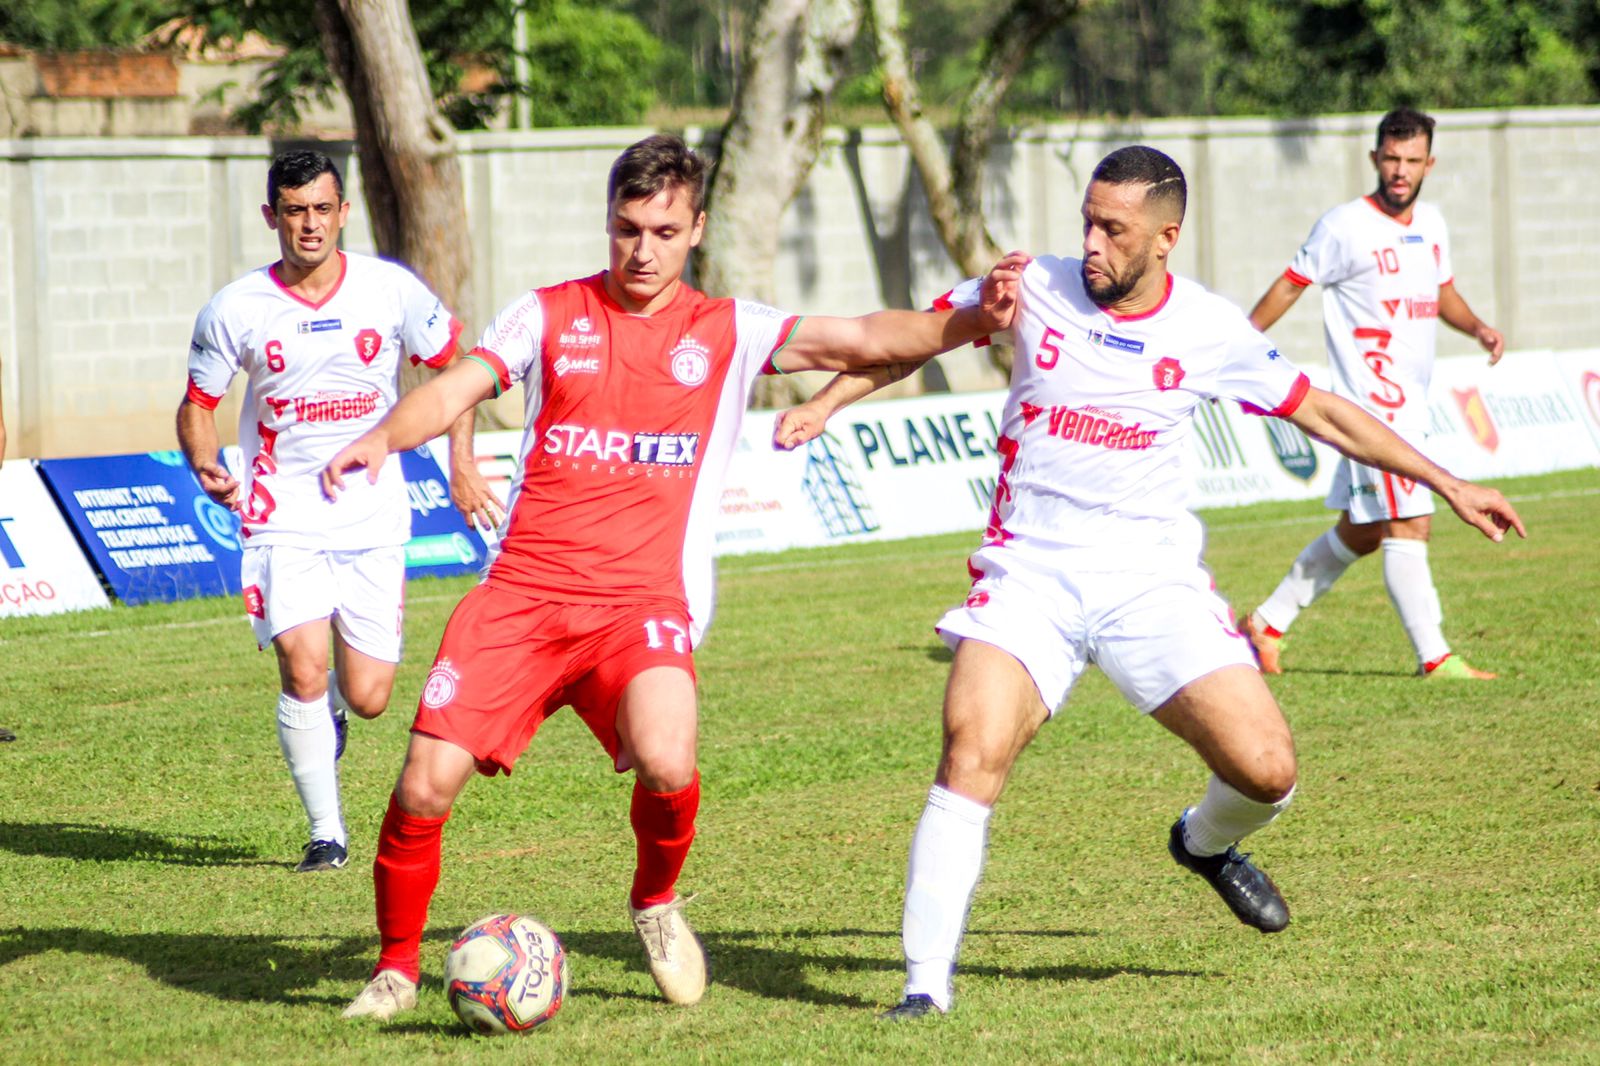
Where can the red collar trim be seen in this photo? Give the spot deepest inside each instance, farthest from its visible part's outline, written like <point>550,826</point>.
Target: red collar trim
<point>277,279</point>
<point>1165,296</point>
<point>1392,218</point>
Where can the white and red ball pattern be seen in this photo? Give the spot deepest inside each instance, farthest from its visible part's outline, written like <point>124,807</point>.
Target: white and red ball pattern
<point>506,973</point>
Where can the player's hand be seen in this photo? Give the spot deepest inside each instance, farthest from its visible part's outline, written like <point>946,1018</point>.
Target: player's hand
<point>369,451</point>
<point>1001,286</point>
<point>1485,508</point>
<point>798,425</point>
<point>220,485</point>
<point>1492,342</point>
<point>473,497</point>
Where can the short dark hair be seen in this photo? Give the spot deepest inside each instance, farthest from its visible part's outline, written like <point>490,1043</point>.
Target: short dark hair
<point>1139,164</point>
<point>1404,123</point>
<point>299,167</point>
<point>656,163</point>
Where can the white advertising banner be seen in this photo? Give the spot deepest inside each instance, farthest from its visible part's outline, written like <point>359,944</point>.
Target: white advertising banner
<point>1519,417</point>
<point>42,568</point>
<point>1580,371</point>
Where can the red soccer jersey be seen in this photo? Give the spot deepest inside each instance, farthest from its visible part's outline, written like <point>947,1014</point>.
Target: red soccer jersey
<point>632,420</point>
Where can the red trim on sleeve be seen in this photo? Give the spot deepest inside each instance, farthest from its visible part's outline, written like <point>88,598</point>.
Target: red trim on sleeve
<point>448,352</point>
<point>1449,281</point>
<point>1295,278</point>
<point>200,397</point>
<point>502,375</point>
<point>942,302</point>
<point>785,335</point>
<point>1297,395</point>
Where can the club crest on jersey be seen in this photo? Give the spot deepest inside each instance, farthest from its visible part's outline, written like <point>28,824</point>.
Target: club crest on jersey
<point>1111,340</point>
<point>321,325</point>
<point>369,342</point>
<point>1168,373</point>
<point>690,362</point>
<point>440,687</point>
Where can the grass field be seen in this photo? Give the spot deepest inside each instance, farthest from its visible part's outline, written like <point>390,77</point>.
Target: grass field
<point>1442,859</point>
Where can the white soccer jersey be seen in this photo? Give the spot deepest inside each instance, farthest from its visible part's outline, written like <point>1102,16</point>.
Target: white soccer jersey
<point>319,375</point>
<point>1380,304</point>
<point>1091,440</point>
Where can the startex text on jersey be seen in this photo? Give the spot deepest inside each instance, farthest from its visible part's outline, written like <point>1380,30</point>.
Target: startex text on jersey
<point>616,446</point>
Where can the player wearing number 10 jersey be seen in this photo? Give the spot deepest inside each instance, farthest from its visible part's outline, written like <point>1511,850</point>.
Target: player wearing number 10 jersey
<point>1383,262</point>
<point>636,385</point>
<point>319,336</point>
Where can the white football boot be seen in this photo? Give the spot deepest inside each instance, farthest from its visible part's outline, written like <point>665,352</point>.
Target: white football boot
<point>677,958</point>
<point>387,994</point>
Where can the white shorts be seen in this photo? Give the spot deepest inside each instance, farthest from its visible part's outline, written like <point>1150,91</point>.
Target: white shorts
<point>1373,495</point>
<point>362,591</point>
<point>1150,633</point>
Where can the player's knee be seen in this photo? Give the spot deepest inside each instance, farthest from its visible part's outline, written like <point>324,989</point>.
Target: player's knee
<point>420,797</point>
<point>975,765</point>
<point>1271,776</point>
<point>670,773</point>
<point>369,701</point>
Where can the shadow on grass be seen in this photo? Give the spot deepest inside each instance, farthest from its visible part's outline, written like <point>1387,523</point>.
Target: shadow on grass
<point>110,843</point>
<point>257,969</point>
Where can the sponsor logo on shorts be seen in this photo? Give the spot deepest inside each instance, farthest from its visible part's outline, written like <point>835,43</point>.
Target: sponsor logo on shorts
<point>254,606</point>
<point>440,687</point>
<point>977,599</point>
<point>690,361</point>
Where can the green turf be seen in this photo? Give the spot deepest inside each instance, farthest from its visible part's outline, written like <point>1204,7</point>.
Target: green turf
<point>1442,859</point>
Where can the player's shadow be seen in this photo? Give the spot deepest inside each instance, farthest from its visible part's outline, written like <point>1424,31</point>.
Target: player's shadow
<point>936,653</point>
<point>747,960</point>
<point>253,969</point>
<point>112,843</point>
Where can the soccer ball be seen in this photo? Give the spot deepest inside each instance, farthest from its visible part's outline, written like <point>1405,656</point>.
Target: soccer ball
<point>506,974</point>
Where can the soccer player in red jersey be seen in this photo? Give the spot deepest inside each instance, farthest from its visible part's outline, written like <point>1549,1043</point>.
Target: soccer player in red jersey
<point>636,386</point>
<point>1383,261</point>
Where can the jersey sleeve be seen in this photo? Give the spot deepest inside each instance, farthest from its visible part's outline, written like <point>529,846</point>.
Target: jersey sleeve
<point>428,330</point>
<point>1255,374</point>
<point>512,344</point>
<point>213,359</point>
<point>762,332</point>
<point>1321,260</point>
<point>964,295</point>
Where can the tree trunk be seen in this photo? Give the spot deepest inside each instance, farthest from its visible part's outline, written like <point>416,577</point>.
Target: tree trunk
<point>791,63</point>
<point>953,184</point>
<point>410,175</point>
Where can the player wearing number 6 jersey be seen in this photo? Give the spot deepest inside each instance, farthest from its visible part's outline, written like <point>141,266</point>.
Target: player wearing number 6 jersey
<point>1383,262</point>
<point>636,385</point>
<point>319,336</point>
<point>1091,556</point>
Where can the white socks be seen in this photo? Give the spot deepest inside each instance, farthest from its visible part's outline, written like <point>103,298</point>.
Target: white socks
<point>1410,582</point>
<point>1315,570</point>
<point>946,859</point>
<point>1226,816</point>
<point>305,733</point>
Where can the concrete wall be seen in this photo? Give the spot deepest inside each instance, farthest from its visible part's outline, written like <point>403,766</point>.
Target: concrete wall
<point>111,246</point>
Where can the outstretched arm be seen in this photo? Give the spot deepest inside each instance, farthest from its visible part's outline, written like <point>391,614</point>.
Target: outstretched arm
<point>1454,310</point>
<point>1356,434</point>
<point>1279,297</point>
<point>422,414</point>
<point>807,421</point>
<point>197,437</point>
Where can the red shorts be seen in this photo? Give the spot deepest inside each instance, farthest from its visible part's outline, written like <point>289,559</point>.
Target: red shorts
<point>508,661</point>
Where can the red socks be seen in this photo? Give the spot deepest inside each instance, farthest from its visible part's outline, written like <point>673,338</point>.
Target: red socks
<point>663,827</point>
<point>404,876</point>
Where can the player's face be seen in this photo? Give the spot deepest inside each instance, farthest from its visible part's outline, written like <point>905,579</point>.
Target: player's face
<point>1121,234</point>
<point>308,220</point>
<point>650,244</point>
<point>1401,166</point>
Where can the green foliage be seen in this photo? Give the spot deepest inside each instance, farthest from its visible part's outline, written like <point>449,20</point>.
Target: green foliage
<point>1439,857</point>
<point>589,66</point>
<point>73,25</point>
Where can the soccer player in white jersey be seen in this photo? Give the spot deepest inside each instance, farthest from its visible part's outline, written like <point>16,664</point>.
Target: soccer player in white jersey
<point>1091,555</point>
<point>319,336</point>
<point>1383,261</point>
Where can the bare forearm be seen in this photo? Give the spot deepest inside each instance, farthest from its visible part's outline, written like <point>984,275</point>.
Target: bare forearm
<point>1456,314</point>
<point>197,434</point>
<point>853,385</point>
<point>1279,297</point>
<point>1356,434</point>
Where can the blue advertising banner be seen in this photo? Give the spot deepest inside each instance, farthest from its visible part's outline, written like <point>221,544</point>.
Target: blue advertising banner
<point>441,542</point>
<point>152,533</point>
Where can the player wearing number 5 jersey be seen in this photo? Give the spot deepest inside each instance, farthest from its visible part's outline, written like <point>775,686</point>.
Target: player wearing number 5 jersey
<point>319,336</point>
<point>1383,262</point>
<point>636,385</point>
<point>1091,556</point>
